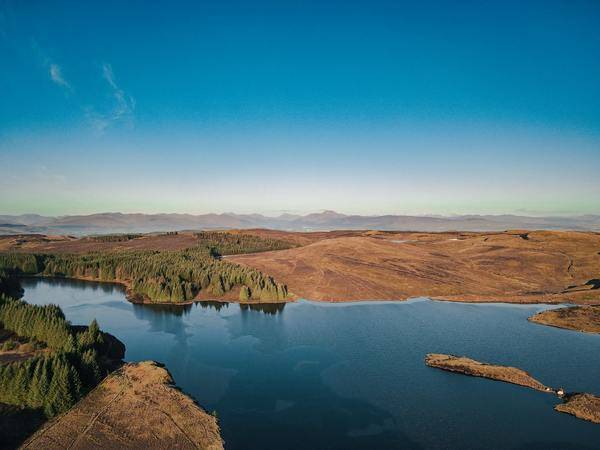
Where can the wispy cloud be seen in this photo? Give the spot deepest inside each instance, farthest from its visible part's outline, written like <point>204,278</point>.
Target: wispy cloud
<point>124,104</point>
<point>48,64</point>
<point>57,76</point>
<point>100,115</point>
<point>121,111</point>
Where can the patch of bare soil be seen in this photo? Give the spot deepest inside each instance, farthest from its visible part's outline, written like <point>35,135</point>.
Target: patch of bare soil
<point>578,318</point>
<point>467,366</point>
<point>14,348</point>
<point>136,406</point>
<point>547,267</point>
<point>582,406</point>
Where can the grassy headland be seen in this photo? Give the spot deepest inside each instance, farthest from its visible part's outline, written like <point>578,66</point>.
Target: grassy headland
<point>137,406</point>
<point>578,318</point>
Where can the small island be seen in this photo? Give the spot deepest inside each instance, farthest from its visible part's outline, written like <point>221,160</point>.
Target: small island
<point>577,318</point>
<point>581,405</point>
<point>137,406</point>
<point>468,366</point>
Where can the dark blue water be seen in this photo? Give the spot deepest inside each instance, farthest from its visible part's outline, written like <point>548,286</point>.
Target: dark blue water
<point>347,376</point>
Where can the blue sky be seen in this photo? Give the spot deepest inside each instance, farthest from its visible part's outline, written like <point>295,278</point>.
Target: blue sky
<point>363,107</point>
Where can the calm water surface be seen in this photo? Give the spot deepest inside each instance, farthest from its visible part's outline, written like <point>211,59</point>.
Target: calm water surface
<point>349,376</point>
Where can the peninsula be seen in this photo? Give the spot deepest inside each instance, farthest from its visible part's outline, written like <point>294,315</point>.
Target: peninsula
<point>136,406</point>
<point>577,318</point>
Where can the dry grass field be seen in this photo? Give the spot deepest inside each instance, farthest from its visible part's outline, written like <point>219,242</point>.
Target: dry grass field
<point>578,318</point>
<point>137,406</point>
<point>468,366</point>
<point>513,266</point>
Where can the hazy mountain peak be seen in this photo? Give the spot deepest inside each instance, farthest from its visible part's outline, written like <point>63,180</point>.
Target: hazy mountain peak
<point>110,222</point>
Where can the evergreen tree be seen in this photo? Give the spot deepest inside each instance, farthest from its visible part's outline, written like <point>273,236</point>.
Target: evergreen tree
<point>245,293</point>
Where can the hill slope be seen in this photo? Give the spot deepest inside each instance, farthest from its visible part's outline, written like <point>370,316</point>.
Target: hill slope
<point>135,407</point>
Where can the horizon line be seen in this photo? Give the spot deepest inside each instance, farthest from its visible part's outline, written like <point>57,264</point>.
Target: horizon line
<point>320,211</point>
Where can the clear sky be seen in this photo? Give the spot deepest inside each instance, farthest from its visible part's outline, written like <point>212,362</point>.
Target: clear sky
<point>271,106</point>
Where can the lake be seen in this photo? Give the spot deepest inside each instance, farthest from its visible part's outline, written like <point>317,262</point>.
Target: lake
<point>310,375</point>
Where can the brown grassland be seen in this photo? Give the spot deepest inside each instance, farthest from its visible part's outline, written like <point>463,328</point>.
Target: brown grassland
<point>136,406</point>
<point>583,406</point>
<point>512,266</point>
<point>578,318</point>
<point>467,366</point>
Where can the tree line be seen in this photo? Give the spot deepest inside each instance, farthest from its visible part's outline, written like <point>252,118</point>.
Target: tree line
<point>227,243</point>
<point>115,237</point>
<point>53,381</point>
<point>161,276</point>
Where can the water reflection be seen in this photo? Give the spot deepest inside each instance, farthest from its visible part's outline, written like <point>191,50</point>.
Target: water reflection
<point>147,309</point>
<point>266,308</point>
<point>213,304</point>
<point>306,375</point>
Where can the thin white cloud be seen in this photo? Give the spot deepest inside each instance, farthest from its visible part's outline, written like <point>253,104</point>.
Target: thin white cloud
<point>124,104</point>
<point>99,116</point>
<point>57,76</point>
<point>109,76</point>
<point>97,121</point>
<point>121,111</point>
<point>52,69</point>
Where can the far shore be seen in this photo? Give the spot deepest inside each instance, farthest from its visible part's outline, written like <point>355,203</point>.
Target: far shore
<point>518,266</point>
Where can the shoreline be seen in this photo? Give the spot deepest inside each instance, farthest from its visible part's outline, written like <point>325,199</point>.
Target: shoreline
<point>293,298</point>
<point>548,267</point>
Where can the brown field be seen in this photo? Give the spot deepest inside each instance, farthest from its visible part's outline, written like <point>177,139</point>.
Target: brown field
<point>467,366</point>
<point>136,406</point>
<point>582,406</point>
<point>513,266</point>
<point>578,318</point>
<point>40,243</point>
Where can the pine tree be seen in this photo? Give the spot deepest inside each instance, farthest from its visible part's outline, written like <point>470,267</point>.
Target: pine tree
<point>245,293</point>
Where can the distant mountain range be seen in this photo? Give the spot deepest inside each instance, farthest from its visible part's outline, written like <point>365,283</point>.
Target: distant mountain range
<point>328,220</point>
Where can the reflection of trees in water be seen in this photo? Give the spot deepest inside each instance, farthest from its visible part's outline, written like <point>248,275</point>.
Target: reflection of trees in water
<point>106,287</point>
<point>212,304</point>
<point>165,319</point>
<point>266,308</point>
<point>142,311</point>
